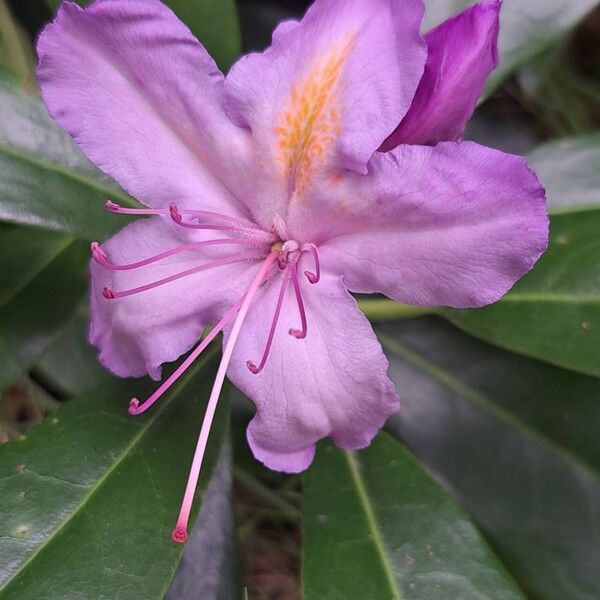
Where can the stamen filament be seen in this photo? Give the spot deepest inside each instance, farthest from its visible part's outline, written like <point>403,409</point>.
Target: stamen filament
<point>300,334</point>
<point>316,276</point>
<point>253,368</point>
<point>135,408</point>
<point>100,256</point>
<point>110,294</point>
<point>232,224</point>
<point>121,210</point>
<point>179,534</point>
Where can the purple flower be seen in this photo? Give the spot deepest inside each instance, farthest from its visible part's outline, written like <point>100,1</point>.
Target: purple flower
<point>270,201</point>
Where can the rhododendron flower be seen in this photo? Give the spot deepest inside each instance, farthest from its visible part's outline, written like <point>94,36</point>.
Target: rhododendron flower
<point>326,164</point>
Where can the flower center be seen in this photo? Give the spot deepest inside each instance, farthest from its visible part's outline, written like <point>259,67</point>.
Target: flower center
<point>278,253</point>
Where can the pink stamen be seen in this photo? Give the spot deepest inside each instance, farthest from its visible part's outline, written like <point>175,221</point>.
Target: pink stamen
<point>300,334</point>
<point>135,408</point>
<point>100,256</point>
<point>253,368</point>
<point>231,223</point>
<point>316,276</point>
<point>121,210</point>
<point>179,534</point>
<point>111,294</point>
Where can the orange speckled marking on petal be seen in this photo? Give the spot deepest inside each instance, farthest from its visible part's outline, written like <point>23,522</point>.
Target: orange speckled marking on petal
<point>310,122</point>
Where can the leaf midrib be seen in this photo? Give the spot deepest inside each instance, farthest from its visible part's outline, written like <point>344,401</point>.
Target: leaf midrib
<point>376,535</point>
<point>483,402</point>
<point>81,505</point>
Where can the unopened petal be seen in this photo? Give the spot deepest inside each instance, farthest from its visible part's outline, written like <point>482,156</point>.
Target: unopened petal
<point>462,52</point>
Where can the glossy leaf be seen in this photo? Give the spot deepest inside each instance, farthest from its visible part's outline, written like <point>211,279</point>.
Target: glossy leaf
<point>70,365</point>
<point>376,526</point>
<point>570,170</point>
<point>89,497</point>
<point>44,279</point>
<point>516,440</point>
<point>214,22</point>
<point>526,28</point>
<point>44,179</point>
<point>553,313</point>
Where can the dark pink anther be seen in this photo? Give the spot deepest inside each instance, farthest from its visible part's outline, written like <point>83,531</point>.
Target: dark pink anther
<point>98,254</point>
<point>316,276</point>
<point>175,214</point>
<point>263,361</point>
<point>297,333</point>
<point>108,293</point>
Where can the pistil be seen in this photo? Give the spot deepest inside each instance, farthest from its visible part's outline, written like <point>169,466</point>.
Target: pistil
<point>180,534</point>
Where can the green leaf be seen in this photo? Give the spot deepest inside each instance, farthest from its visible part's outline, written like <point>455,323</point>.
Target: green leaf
<point>89,497</point>
<point>526,28</point>
<point>44,178</point>
<point>71,364</point>
<point>44,278</point>
<point>214,22</point>
<point>16,53</point>
<point>570,171</point>
<point>376,526</point>
<point>553,313</point>
<point>516,440</point>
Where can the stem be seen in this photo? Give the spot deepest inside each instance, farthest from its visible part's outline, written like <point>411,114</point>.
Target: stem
<point>383,309</point>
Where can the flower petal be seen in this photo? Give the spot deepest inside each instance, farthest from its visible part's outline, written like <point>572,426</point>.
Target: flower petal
<point>330,89</point>
<point>332,383</point>
<point>142,98</point>
<point>462,52</point>
<point>456,224</point>
<point>137,333</point>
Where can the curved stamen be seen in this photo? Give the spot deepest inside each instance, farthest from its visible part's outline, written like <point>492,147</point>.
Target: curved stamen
<point>100,256</point>
<point>110,294</point>
<point>179,534</point>
<point>135,408</point>
<point>253,368</point>
<point>300,334</point>
<point>316,276</point>
<point>122,210</point>
<point>231,224</point>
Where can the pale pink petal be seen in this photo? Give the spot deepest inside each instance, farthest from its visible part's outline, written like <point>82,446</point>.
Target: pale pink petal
<point>329,90</point>
<point>332,383</point>
<point>143,100</point>
<point>457,224</point>
<point>138,333</point>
